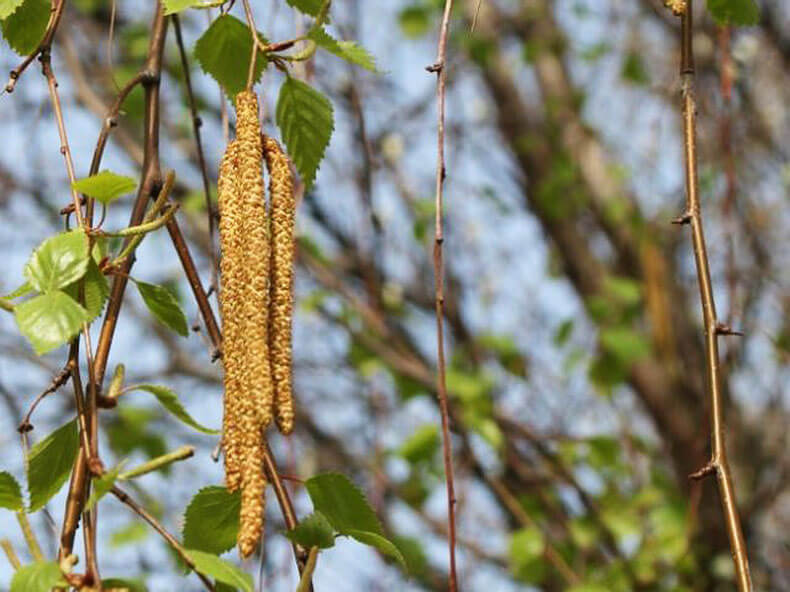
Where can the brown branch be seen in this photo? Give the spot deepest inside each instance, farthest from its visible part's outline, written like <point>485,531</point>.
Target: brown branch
<point>58,381</point>
<point>439,67</point>
<point>719,462</point>
<point>124,498</point>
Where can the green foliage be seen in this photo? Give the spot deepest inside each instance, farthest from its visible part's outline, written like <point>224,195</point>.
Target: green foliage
<point>169,400</point>
<point>58,261</point>
<point>313,531</point>
<point>124,584</point>
<point>164,306</point>
<point>7,7</point>
<point>134,532</point>
<point>129,430</point>
<point>526,554</point>
<point>25,27</point>
<point>211,520</point>
<point>175,6</point>
<point>734,12</point>
<point>311,7</point>
<point>95,290</point>
<point>49,320</point>
<point>40,576</point>
<point>10,492</point>
<point>413,553</point>
<point>305,118</point>
<point>634,70</point>
<point>105,186</point>
<point>348,50</point>
<point>224,53</point>
<point>102,485</point>
<point>347,510</point>
<point>415,20</point>
<point>50,462</point>
<point>421,445</point>
<point>227,573</point>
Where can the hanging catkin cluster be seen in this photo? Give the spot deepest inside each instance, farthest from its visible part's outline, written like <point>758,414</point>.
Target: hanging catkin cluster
<point>256,309</point>
<point>678,7</point>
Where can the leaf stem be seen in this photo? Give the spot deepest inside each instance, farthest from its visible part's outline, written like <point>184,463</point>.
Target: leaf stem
<point>159,462</point>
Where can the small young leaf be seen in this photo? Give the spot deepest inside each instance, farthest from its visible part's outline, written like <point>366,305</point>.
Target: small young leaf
<point>175,6</point>
<point>102,485</point>
<point>10,493</point>
<point>134,532</point>
<point>96,290</point>
<point>306,120</point>
<point>50,463</point>
<point>22,290</point>
<point>378,542</point>
<point>40,576</point>
<point>7,7</point>
<point>211,520</point>
<point>25,28</point>
<point>347,50</point>
<point>421,445</point>
<point>311,7</point>
<point>227,573</point>
<point>169,400</point>
<point>105,186</point>
<point>224,52</point>
<point>58,261</point>
<point>313,531</point>
<point>164,306</point>
<point>342,503</point>
<point>49,320</point>
<point>734,12</point>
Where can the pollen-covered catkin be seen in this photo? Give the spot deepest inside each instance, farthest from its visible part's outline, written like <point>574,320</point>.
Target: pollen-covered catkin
<point>256,294</point>
<point>281,233</point>
<point>253,499</point>
<point>678,7</point>
<point>233,282</point>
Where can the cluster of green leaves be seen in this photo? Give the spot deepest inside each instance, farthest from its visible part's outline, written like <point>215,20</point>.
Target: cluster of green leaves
<point>211,524</point>
<point>24,23</point>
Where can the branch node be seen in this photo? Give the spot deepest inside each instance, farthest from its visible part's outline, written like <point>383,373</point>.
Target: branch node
<point>435,68</point>
<point>684,218</point>
<point>724,329</point>
<point>709,469</point>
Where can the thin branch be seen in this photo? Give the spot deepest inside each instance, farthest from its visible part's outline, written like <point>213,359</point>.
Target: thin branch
<point>719,462</point>
<point>58,381</point>
<point>439,67</point>
<point>30,537</point>
<point>196,124</point>
<point>10,554</point>
<point>305,581</point>
<point>124,498</point>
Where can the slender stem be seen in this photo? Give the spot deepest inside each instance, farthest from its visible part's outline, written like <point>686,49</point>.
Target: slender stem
<point>438,263</point>
<point>196,123</point>
<point>30,537</point>
<point>305,581</point>
<point>10,554</point>
<point>124,498</point>
<point>142,229</point>
<point>719,462</point>
<point>159,462</point>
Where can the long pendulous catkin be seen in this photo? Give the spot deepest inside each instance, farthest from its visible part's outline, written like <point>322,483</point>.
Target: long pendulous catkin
<point>256,294</point>
<point>281,234</point>
<point>233,280</point>
<point>253,499</point>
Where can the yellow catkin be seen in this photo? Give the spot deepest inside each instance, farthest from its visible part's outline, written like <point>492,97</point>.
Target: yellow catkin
<point>253,500</point>
<point>256,294</point>
<point>233,281</point>
<point>281,233</point>
<point>678,7</point>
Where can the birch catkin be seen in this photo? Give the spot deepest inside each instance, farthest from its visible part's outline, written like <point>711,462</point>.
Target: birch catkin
<point>281,233</point>
<point>233,281</point>
<point>678,7</point>
<point>256,294</point>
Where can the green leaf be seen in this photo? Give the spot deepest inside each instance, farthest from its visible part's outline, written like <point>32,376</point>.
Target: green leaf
<point>625,344</point>
<point>105,186</point>
<point>634,69</point>
<point>49,320</point>
<point>415,20</point>
<point>169,400</point>
<point>174,6</point>
<point>22,290</point>
<point>378,542</point>
<point>124,584</point>
<point>227,573</point>
<point>313,531</point>
<point>311,7</point>
<point>526,554</point>
<point>224,52</point>
<point>10,493</point>
<point>24,29</point>
<point>96,290</point>
<point>58,261</point>
<point>50,463</point>
<point>102,485</point>
<point>134,532</point>
<point>734,12</point>
<point>347,50</point>
<point>421,445</point>
<point>7,7</point>
<point>306,120</point>
<point>40,576</point>
<point>164,306</point>
<point>211,520</point>
<point>342,503</point>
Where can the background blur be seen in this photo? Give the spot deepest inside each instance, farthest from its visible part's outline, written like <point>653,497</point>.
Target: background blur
<point>573,319</point>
